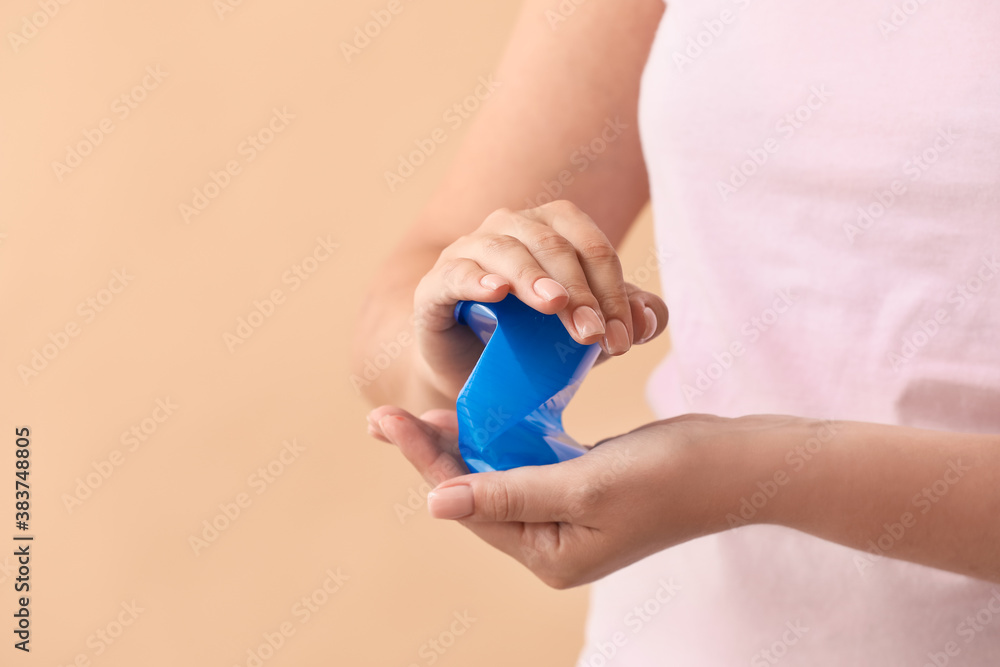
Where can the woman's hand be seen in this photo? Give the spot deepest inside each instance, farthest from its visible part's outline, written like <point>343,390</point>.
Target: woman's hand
<point>573,522</point>
<point>930,497</point>
<point>555,259</point>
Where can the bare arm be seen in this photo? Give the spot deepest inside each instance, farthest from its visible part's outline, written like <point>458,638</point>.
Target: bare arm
<point>558,90</point>
<point>929,497</point>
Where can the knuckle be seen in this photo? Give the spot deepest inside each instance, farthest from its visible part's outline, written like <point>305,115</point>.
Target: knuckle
<point>498,218</point>
<point>599,251</point>
<point>499,244</point>
<point>454,245</point>
<point>524,273</point>
<point>560,577</point>
<point>502,501</point>
<point>550,243</point>
<point>555,580</point>
<point>616,307</point>
<point>452,271</point>
<point>579,292</point>
<point>563,206</point>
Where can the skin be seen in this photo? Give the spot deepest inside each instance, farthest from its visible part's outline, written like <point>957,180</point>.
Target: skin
<point>660,485</point>
<point>558,90</point>
<point>929,497</point>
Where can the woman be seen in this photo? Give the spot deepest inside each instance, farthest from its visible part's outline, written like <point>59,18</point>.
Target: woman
<point>825,181</point>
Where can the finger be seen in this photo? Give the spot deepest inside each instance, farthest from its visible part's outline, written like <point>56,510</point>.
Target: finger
<point>446,420</point>
<point>451,281</point>
<point>602,268</point>
<point>374,430</point>
<point>431,450</point>
<point>548,549</point>
<point>560,554</point>
<point>649,312</point>
<point>560,259</point>
<point>507,256</point>
<point>649,317</point>
<point>532,494</point>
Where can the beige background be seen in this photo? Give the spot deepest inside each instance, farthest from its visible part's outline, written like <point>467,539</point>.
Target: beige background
<point>335,506</point>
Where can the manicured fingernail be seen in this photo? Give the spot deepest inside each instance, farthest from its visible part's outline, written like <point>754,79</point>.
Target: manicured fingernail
<point>453,502</point>
<point>587,322</point>
<point>549,289</point>
<point>617,339</point>
<point>650,318</point>
<point>493,281</point>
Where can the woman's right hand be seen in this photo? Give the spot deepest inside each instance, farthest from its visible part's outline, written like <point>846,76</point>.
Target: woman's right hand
<point>555,259</point>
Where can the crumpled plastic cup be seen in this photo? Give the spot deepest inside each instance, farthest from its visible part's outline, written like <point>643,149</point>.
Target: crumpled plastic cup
<point>510,409</point>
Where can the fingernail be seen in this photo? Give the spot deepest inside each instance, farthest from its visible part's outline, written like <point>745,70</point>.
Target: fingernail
<point>617,339</point>
<point>650,318</point>
<point>549,289</point>
<point>587,322</point>
<point>453,502</point>
<point>493,281</point>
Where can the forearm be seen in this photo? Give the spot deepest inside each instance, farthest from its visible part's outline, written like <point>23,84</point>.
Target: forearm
<point>560,93</point>
<point>385,361</point>
<point>929,497</point>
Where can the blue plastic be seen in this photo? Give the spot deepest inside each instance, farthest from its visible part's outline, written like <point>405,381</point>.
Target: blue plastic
<point>510,409</point>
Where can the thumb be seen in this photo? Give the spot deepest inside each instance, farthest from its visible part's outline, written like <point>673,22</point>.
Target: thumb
<point>533,494</point>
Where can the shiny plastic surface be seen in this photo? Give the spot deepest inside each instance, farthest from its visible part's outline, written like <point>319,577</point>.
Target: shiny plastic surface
<point>510,409</point>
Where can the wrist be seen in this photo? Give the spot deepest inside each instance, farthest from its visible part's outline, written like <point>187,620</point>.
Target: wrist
<point>773,459</point>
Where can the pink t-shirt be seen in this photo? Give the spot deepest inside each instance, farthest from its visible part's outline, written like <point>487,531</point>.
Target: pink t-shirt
<point>825,178</point>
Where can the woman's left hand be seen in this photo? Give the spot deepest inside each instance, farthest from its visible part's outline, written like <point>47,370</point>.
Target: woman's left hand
<point>573,522</point>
